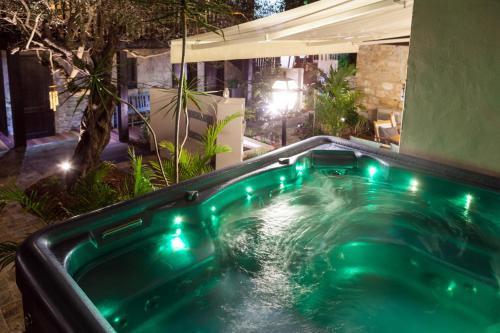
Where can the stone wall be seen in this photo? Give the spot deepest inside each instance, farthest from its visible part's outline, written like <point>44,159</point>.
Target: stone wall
<point>153,68</point>
<point>381,75</point>
<point>68,115</point>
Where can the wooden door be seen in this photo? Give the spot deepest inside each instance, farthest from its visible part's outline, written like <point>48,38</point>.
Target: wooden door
<point>35,81</point>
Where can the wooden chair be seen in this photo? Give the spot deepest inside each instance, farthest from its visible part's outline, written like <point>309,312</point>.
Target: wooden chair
<point>386,126</point>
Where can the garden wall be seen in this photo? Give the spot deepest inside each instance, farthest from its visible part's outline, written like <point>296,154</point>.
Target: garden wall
<point>381,75</point>
<point>69,112</point>
<point>153,68</point>
<point>452,109</point>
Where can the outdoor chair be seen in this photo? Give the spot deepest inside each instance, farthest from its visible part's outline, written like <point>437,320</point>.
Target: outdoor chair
<point>386,131</point>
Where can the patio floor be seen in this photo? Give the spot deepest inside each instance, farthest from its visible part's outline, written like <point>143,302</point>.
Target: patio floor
<point>24,167</point>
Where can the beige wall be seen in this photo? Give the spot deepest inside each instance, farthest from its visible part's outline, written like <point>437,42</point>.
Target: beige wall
<point>232,135</point>
<point>381,74</point>
<point>452,110</point>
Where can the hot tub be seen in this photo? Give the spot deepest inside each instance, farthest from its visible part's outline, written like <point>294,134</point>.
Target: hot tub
<point>321,236</point>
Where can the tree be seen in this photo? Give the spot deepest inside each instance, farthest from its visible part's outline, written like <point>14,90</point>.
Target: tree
<point>191,15</point>
<point>79,39</point>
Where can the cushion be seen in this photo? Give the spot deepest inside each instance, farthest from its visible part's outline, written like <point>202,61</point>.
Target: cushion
<point>387,132</point>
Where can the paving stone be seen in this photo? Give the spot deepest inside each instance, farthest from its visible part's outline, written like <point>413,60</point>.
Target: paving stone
<point>3,325</point>
<point>24,167</point>
<point>13,316</point>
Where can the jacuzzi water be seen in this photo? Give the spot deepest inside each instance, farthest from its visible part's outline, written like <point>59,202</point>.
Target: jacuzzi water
<point>356,250</point>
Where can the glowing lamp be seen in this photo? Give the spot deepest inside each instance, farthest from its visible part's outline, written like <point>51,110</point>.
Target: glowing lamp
<point>65,166</point>
<point>285,93</point>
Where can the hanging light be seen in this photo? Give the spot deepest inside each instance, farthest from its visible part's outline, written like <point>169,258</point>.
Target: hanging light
<point>53,98</point>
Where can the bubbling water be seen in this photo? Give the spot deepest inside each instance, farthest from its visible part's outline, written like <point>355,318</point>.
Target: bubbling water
<point>346,254</point>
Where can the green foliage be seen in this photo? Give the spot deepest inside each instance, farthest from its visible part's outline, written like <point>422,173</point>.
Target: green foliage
<point>195,164</point>
<point>337,104</point>
<point>142,175</point>
<point>221,13</point>
<point>7,253</point>
<point>32,202</point>
<point>190,94</point>
<point>93,192</point>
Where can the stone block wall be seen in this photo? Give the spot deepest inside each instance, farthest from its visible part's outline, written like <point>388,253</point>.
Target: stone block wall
<point>68,115</point>
<point>381,75</point>
<point>153,68</point>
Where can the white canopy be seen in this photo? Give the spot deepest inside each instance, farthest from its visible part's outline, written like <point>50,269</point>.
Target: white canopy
<point>323,27</point>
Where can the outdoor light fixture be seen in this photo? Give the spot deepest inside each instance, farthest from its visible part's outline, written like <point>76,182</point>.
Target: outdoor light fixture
<point>285,96</point>
<point>65,166</point>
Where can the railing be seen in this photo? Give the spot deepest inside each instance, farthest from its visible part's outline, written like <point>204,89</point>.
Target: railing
<point>142,102</point>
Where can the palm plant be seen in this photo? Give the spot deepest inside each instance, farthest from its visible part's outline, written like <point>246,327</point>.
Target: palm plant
<point>37,204</point>
<point>195,164</point>
<point>93,191</point>
<point>7,253</point>
<point>142,176</point>
<point>337,104</point>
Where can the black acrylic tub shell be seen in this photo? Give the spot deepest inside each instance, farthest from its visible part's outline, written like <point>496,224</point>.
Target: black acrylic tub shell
<point>53,301</point>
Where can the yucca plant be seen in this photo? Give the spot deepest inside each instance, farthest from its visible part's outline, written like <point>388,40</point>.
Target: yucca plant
<point>189,15</point>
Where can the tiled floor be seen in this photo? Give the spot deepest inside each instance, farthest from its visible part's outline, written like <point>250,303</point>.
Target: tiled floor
<point>24,167</point>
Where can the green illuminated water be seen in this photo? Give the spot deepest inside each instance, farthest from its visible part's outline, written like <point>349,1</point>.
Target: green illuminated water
<point>322,253</point>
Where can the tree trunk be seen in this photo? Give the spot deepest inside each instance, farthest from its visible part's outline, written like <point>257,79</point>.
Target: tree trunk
<point>180,92</point>
<point>95,126</point>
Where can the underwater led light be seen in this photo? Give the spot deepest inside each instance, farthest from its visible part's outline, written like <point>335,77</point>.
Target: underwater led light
<point>282,186</point>
<point>177,244</point>
<point>248,189</point>
<point>178,220</point>
<point>282,178</point>
<point>213,209</point>
<point>451,287</point>
<point>299,168</point>
<point>178,232</point>
<point>468,201</point>
<point>372,171</point>
<point>414,185</point>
